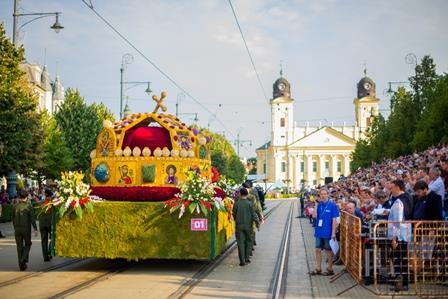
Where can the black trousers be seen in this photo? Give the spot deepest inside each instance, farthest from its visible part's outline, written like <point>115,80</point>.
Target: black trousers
<point>400,261</point>
<point>23,242</point>
<point>45,236</point>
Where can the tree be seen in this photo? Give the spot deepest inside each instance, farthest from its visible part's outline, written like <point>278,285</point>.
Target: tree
<point>432,128</point>
<point>235,169</point>
<point>80,125</point>
<point>57,156</point>
<point>20,122</point>
<point>401,124</point>
<point>424,83</point>
<point>224,158</point>
<point>253,162</point>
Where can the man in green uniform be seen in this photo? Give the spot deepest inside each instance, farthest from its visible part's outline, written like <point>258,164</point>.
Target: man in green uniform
<point>45,229</point>
<point>253,197</point>
<point>245,216</point>
<point>22,219</point>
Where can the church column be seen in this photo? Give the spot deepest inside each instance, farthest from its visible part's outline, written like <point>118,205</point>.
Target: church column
<point>309,169</point>
<point>346,165</point>
<point>293,171</point>
<point>321,177</point>
<point>334,166</point>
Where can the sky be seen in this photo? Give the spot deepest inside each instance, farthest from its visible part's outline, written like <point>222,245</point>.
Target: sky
<point>322,45</point>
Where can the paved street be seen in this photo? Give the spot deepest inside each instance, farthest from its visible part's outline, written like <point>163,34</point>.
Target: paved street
<point>160,279</point>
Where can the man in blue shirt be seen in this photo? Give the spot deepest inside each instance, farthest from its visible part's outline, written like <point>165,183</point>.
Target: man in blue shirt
<point>325,216</point>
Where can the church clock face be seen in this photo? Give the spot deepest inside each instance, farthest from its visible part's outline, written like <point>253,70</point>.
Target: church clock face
<point>282,86</point>
<point>367,85</point>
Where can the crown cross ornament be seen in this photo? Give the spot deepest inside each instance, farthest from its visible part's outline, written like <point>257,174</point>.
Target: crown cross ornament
<point>159,102</point>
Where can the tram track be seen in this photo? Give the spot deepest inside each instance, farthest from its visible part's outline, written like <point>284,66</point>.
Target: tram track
<point>106,275</point>
<point>40,272</point>
<point>188,285</point>
<point>279,277</point>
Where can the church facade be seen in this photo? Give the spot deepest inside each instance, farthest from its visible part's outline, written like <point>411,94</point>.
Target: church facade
<point>308,155</point>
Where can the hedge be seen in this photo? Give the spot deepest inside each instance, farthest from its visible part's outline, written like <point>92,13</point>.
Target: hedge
<point>140,230</point>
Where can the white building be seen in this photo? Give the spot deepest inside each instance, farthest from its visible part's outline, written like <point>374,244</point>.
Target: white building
<point>50,93</point>
<point>311,154</point>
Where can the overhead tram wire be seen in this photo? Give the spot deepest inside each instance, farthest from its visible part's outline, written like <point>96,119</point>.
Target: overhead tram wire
<point>89,4</point>
<point>247,49</point>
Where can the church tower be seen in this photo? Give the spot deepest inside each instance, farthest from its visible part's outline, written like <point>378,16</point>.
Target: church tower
<point>282,113</point>
<point>366,103</point>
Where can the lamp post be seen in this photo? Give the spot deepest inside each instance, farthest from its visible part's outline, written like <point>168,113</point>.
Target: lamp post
<point>390,90</point>
<point>239,142</point>
<point>128,59</point>
<point>57,27</point>
<point>180,97</point>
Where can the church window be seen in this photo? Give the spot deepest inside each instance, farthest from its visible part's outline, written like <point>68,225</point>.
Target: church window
<point>327,165</point>
<point>314,166</point>
<point>282,122</point>
<point>314,182</point>
<point>338,166</point>
<point>283,166</point>
<point>302,166</point>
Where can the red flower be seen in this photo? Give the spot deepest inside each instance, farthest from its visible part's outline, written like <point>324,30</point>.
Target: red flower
<point>215,174</point>
<point>206,204</point>
<point>219,193</point>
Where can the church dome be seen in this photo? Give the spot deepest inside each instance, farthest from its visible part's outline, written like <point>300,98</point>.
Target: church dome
<point>366,87</point>
<point>281,88</point>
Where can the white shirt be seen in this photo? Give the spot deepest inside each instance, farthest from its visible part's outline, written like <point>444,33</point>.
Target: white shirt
<point>438,187</point>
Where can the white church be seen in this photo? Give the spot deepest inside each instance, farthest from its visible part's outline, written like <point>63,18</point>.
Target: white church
<point>308,155</point>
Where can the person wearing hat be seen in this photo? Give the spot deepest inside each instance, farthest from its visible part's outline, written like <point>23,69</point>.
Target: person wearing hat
<point>22,220</point>
<point>45,229</point>
<point>244,215</point>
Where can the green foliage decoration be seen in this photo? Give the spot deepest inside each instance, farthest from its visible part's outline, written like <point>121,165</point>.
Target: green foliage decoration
<point>134,230</point>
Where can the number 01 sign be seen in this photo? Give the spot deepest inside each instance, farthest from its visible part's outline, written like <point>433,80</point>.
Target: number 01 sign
<point>199,224</point>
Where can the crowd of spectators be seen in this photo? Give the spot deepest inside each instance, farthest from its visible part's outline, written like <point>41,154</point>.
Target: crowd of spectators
<point>412,187</point>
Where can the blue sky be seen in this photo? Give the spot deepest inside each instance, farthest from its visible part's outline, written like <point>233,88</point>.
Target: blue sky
<point>322,44</point>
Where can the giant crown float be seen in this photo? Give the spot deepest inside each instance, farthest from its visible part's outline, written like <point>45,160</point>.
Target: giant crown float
<point>143,156</point>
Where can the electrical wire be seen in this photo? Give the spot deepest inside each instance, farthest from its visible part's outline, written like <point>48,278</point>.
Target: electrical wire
<point>247,49</point>
<point>89,4</point>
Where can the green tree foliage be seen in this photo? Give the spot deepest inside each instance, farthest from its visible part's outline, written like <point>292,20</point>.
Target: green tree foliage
<point>401,124</point>
<point>417,121</point>
<point>253,161</point>
<point>57,156</point>
<point>21,129</point>
<point>423,83</point>
<point>432,127</point>
<point>80,125</point>
<point>235,169</point>
<point>224,158</point>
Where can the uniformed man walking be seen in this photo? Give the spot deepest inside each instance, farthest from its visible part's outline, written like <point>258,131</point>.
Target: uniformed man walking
<point>245,216</point>
<point>22,219</point>
<point>252,197</point>
<point>45,229</point>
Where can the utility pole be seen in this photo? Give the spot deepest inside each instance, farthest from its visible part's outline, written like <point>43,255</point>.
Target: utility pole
<point>239,142</point>
<point>180,97</point>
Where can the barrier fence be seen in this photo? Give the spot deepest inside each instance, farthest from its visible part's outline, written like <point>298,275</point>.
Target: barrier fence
<point>415,265</point>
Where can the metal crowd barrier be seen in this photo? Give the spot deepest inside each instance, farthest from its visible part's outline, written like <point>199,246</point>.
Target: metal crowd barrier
<point>417,266</point>
<point>350,248</point>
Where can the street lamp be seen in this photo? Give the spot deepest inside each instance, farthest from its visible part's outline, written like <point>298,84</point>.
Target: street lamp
<point>125,60</point>
<point>57,27</point>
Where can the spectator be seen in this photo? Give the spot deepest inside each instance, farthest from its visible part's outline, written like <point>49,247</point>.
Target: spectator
<point>429,204</point>
<point>399,234</point>
<point>325,216</point>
